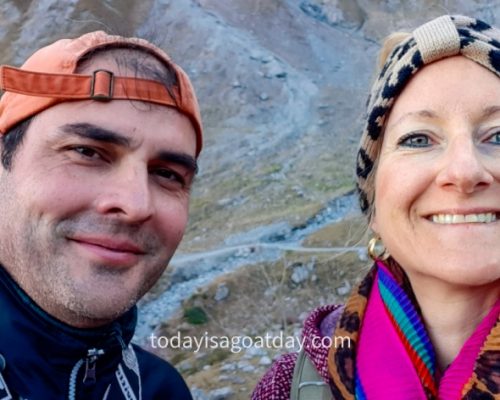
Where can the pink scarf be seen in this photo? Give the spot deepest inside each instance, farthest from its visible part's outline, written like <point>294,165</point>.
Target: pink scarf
<point>387,372</point>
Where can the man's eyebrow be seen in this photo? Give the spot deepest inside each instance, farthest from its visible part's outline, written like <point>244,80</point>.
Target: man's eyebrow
<point>94,132</point>
<point>182,159</point>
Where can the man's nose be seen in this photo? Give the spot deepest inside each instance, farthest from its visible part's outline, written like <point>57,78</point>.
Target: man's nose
<point>464,168</point>
<point>126,194</point>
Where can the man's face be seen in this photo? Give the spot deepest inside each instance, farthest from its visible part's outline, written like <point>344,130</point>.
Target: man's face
<point>95,205</point>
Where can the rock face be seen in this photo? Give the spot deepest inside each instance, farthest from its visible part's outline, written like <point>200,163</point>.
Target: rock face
<point>281,85</point>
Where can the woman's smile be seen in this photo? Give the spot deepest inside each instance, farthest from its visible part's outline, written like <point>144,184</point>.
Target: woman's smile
<point>463,218</point>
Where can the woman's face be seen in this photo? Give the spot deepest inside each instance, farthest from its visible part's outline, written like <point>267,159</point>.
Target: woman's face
<point>437,184</point>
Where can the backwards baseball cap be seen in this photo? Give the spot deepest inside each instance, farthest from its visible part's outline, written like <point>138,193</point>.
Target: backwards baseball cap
<point>48,78</point>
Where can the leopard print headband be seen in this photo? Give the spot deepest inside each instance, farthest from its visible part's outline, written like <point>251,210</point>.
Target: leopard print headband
<point>442,37</point>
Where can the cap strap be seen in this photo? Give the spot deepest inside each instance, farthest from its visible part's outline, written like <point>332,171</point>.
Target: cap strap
<point>102,85</point>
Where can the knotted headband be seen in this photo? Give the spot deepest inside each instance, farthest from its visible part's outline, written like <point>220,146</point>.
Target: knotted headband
<point>442,37</point>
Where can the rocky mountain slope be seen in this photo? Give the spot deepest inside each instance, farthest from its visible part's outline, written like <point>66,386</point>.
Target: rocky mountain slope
<point>281,85</point>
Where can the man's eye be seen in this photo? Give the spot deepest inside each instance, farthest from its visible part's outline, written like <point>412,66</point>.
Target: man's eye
<point>415,140</point>
<point>495,138</point>
<point>169,176</point>
<point>86,152</point>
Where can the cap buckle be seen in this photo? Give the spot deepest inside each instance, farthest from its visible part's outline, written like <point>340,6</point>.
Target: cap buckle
<point>101,86</point>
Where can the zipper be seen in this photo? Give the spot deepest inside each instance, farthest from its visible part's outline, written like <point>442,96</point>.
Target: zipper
<point>90,362</point>
<point>89,377</point>
<point>72,380</point>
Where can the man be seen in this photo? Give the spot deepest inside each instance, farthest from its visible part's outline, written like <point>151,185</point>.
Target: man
<point>99,141</point>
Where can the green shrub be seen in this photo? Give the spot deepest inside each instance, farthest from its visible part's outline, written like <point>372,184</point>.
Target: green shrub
<point>195,316</point>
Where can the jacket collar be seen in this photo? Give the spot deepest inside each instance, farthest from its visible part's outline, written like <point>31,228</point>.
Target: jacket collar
<point>41,350</point>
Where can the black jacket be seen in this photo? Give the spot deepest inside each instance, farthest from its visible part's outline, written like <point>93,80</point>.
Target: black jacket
<point>45,359</point>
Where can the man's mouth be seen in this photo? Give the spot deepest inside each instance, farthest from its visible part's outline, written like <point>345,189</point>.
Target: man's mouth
<point>472,218</point>
<point>109,251</point>
<point>113,244</point>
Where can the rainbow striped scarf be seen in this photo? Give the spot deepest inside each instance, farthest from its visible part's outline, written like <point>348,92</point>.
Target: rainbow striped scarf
<point>393,357</point>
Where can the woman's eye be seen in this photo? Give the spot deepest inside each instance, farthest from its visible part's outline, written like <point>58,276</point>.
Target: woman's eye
<point>415,140</point>
<point>495,138</point>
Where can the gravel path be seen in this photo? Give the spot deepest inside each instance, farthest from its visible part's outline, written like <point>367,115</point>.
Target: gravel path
<point>190,272</point>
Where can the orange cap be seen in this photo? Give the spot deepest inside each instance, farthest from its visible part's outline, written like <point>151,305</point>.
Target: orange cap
<point>48,78</point>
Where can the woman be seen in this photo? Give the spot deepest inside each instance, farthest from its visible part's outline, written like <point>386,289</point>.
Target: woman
<point>424,323</point>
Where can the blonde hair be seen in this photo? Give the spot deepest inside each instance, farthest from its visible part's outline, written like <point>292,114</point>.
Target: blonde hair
<point>390,42</point>
<point>388,45</point>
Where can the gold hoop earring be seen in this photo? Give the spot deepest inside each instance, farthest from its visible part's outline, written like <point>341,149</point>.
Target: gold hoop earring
<point>377,250</point>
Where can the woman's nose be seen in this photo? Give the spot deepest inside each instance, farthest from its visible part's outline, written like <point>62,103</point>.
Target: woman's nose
<point>464,168</point>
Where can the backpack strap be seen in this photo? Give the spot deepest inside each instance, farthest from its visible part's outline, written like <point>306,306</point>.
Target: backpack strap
<point>307,384</point>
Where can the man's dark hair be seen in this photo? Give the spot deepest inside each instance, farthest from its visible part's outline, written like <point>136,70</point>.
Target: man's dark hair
<point>11,141</point>
<point>137,63</point>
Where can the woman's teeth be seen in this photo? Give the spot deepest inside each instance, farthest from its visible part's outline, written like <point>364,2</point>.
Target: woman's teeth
<point>461,218</point>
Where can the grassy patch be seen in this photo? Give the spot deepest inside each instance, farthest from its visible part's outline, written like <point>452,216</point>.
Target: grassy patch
<point>271,169</point>
<point>195,316</point>
<point>350,232</point>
